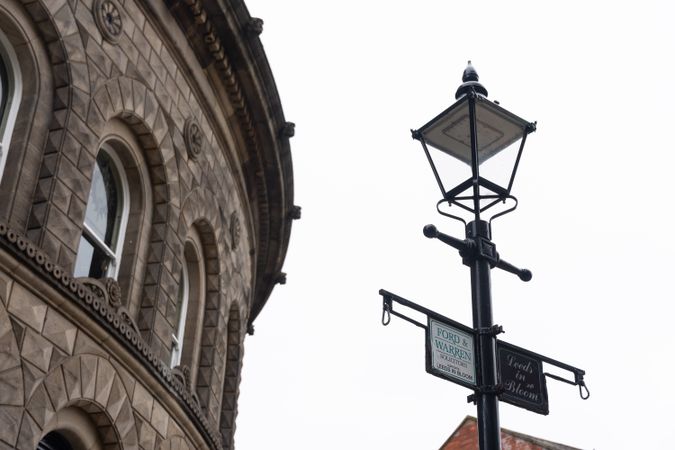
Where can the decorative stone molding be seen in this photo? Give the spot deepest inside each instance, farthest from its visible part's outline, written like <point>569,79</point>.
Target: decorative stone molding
<point>114,292</point>
<point>12,379</point>
<point>112,407</point>
<point>115,319</point>
<point>227,72</point>
<point>254,27</point>
<point>287,130</point>
<point>280,278</point>
<point>182,374</point>
<point>228,412</point>
<point>214,36</point>
<point>235,230</point>
<point>295,213</point>
<point>194,138</point>
<point>107,289</point>
<point>108,19</point>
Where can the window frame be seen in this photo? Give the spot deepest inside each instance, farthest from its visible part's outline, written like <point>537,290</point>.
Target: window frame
<point>76,426</point>
<point>10,110</point>
<point>121,222</point>
<point>178,336</point>
<point>194,268</point>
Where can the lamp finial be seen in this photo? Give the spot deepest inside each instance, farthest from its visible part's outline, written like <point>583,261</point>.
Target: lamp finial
<point>470,81</point>
<point>470,73</point>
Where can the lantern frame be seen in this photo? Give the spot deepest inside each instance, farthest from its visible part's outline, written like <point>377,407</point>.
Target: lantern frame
<point>473,130</point>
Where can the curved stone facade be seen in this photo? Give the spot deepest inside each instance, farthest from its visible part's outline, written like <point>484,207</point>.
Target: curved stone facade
<point>181,95</point>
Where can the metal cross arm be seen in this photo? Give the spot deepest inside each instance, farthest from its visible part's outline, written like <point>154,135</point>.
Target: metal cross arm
<point>450,346</point>
<point>478,247</point>
<point>388,299</point>
<point>388,311</point>
<point>451,354</point>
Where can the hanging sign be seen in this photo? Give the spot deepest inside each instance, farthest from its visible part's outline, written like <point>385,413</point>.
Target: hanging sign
<point>522,377</point>
<point>450,352</point>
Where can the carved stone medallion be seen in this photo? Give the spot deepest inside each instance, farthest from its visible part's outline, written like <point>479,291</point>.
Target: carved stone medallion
<point>108,19</point>
<point>194,138</point>
<point>114,291</point>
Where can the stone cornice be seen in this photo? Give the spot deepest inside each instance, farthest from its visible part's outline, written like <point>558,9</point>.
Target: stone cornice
<point>225,36</point>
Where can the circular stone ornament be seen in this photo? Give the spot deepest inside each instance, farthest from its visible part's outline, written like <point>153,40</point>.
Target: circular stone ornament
<point>194,138</point>
<point>108,19</point>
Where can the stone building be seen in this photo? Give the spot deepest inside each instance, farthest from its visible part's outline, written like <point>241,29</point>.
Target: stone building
<point>146,201</point>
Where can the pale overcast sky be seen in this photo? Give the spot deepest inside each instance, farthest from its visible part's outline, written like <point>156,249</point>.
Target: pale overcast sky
<point>594,223</point>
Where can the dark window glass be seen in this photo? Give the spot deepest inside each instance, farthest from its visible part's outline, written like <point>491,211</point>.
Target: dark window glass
<point>54,441</point>
<point>91,260</point>
<point>10,95</point>
<point>103,204</point>
<point>179,304</point>
<point>4,89</point>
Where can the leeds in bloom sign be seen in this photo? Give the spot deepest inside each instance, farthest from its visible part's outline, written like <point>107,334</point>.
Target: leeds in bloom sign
<point>450,353</point>
<point>522,376</point>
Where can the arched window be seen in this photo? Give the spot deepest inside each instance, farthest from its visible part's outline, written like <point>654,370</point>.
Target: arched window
<point>190,301</point>
<point>71,428</point>
<point>54,441</point>
<point>10,95</point>
<point>182,300</point>
<point>105,218</point>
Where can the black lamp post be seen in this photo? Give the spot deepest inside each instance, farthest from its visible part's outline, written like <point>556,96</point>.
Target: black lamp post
<point>473,130</point>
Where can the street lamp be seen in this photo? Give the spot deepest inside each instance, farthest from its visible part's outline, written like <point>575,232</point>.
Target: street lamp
<point>473,130</point>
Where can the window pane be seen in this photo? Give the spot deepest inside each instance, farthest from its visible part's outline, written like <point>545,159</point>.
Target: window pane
<point>4,90</point>
<point>181,311</point>
<point>104,218</point>
<point>83,262</point>
<point>91,261</point>
<point>179,305</point>
<point>4,99</point>
<point>103,204</point>
<point>54,441</point>
<point>10,94</point>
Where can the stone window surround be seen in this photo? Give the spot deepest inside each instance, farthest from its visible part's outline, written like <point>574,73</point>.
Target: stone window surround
<point>76,426</point>
<point>121,139</point>
<point>17,188</point>
<point>193,259</point>
<point>13,97</point>
<point>229,409</point>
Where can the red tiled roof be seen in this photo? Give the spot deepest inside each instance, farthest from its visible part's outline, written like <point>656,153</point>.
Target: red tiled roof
<point>465,437</point>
